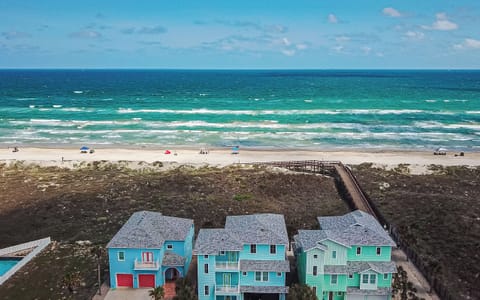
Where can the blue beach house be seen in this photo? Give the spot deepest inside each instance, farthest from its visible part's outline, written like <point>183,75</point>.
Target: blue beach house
<point>149,250</point>
<point>246,260</point>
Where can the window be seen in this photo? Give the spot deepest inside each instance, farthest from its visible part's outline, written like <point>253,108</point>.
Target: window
<point>385,276</point>
<point>147,257</point>
<point>279,274</point>
<point>334,254</point>
<point>315,256</point>
<point>314,270</point>
<point>365,278</point>
<point>253,248</point>
<point>261,276</point>
<point>369,278</point>
<point>379,250</point>
<point>206,290</point>
<point>205,256</point>
<point>121,256</point>
<point>314,290</point>
<point>205,268</point>
<point>359,250</point>
<point>222,252</point>
<point>350,276</point>
<point>244,273</point>
<point>273,249</point>
<point>169,246</point>
<point>339,293</point>
<point>333,279</point>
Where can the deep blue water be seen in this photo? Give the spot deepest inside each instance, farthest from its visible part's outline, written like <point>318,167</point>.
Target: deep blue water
<point>282,109</point>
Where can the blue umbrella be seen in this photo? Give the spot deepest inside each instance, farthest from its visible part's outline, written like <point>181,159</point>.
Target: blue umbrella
<point>84,148</point>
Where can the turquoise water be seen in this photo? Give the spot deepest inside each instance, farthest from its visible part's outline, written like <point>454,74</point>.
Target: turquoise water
<point>418,110</point>
<point>7,264</point>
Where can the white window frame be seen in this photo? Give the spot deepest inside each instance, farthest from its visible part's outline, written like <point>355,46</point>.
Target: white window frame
<point>253,247</point>
<point>169,246</point>
<point>206,290</point>
<point>314,270</point>
<point>385,276</point>
<point>379,251</point>
<point>274,248</point>
<point>205,256</point>
<point>118,255</point>
<point>358,251</point>
<point>263,278</point>
<point>315,256</point>
<point>244,273</point>
<point>363,277</point>
<point>334,254</point>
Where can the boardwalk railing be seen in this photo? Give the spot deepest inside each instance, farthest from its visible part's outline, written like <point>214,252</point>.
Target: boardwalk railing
<point>355,196</point>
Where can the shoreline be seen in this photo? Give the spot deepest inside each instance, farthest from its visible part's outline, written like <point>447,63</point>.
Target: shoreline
<point>418,161</point>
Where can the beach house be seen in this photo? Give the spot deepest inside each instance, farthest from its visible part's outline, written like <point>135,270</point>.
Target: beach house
<point>348,258</point>
<point>246,260</point>
<point>149,250</point>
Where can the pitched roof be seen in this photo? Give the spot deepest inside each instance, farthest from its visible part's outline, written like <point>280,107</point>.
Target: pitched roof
<point>269,229</point>
<point>171,259</point>
<point>265,265</point>
<point>148,229</point>
<point>309,239</point>
<point>352,267</point>
<point>212,241</point>
<point>355,228</point>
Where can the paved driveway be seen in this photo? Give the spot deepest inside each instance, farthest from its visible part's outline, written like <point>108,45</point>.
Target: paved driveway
<point>128,294</point>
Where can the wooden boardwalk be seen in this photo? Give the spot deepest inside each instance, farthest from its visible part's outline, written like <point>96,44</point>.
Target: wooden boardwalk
<point>336,169</point>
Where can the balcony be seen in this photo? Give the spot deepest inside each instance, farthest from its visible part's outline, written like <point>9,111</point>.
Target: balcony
<point>227,266</point>
<point>146,265</point>
<point>226,290</point>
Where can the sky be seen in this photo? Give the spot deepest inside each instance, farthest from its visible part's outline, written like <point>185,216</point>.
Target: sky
<point>248,34</point>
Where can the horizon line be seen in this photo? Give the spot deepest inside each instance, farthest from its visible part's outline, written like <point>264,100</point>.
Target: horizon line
<point>241,69</point>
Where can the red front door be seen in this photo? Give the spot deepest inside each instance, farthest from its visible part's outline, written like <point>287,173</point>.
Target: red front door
<point>146,280</point>
<point>125,280</point>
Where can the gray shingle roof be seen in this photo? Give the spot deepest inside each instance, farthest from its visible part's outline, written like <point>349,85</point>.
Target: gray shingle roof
<point>269,229</point>
<point>309,239</point>
<point>265,265</point>
<point>264,289</point>
<point>212,241</point>
<point>355,228</point>
<point>171,259</point>
<point>382,291</point>
<point>360,266</point>
<point>148,229</point>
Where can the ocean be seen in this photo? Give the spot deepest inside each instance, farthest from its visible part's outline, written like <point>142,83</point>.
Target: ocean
<point>322,110</point>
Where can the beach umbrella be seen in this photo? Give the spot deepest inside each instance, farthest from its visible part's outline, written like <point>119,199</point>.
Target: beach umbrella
<point>167,152</point>
<point>84,148</point>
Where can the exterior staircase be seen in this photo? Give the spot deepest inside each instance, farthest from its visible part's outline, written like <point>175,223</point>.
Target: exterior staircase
<point>169,289</point>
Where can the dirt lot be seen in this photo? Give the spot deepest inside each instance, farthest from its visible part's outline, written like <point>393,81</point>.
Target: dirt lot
<point>438,215</point>
<point>92,203</point>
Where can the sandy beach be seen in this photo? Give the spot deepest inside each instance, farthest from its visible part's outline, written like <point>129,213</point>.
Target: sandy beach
<point>222,157</point>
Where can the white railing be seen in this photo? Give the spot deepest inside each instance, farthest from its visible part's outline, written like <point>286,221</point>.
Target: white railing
<point>224,265</point>
<point>149,265</point>
<point>227,289</point>
<point>38,246</point>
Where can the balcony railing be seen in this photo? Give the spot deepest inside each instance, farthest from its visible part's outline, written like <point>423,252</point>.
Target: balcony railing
<point>146,265</point>
<point>227,289</point>
<point>227,265</point>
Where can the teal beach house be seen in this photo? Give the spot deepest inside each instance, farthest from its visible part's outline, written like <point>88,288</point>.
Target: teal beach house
<point>246,260</point>
<point>149,250</point>
<point>349,258</point>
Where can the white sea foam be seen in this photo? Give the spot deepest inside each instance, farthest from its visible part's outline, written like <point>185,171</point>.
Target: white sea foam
<point>282,112</point>
<point>26,99</point>
<point>78,92</point>
<point>31,106</point>
<point>56,106</point>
